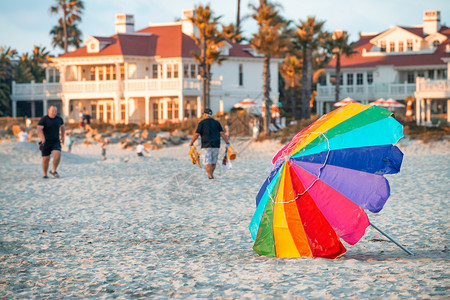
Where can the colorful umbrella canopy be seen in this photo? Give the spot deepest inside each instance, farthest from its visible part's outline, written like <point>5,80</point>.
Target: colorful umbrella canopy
<point>381,102</point>
<point>345,101</point>
<point>393,103</point>
<point>323,180</point>
<point>245,104</point>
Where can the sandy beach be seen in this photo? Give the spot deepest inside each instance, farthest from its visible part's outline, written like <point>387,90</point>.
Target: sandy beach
<point>156,227</point>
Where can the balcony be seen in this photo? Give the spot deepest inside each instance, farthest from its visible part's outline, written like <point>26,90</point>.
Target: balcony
<point>426,88</point>
<point>367,92</point>
<point>110,88</point>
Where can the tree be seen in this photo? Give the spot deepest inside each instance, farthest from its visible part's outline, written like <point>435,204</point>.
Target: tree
<point>337,45</point>
<point>309,38</point>
<point>291,72</point>
<point>209,40</point>
<point>232,33</point>
<point>6,76</point>
<point>70,12</point>
<point>73,36</point>
<point>270,40</point>
<point>238,14</point>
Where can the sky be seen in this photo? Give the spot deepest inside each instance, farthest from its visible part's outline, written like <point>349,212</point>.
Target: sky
<point>25,23</point>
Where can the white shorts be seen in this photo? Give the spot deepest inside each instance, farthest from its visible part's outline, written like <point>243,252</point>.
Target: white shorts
<point>210,156</point>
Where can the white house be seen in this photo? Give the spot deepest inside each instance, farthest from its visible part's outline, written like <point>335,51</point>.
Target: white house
<point>396,63</point>
<point>141,76</point>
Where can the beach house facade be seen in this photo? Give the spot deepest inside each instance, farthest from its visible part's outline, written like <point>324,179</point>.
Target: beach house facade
<point>144,76</point>
<point>400,63</point>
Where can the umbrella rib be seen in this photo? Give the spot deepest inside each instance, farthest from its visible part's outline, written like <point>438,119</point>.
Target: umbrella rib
<point>315,180</point>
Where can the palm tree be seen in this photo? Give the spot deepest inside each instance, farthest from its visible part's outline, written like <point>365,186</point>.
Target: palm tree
<point>270,40</point>
<point>232,33</point>
<point>238,14</point>
<point>291,72</point>
<point>309,38</point>
<point>22,71</point>
<point>7,54</point>
<point>337,45</point>
<point>70,11</point>
<point>209,40</point>
<point>73,36</point>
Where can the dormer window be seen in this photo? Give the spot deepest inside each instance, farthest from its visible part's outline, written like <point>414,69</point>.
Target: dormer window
<point>400,47</point>
<point>383,46</point>
<point>436,43</point>
<point>409,45</point>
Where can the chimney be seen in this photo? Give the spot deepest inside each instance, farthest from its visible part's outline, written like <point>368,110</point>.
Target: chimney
<point>431,21</point>
<point>187,27</point>
<point>124,23</point>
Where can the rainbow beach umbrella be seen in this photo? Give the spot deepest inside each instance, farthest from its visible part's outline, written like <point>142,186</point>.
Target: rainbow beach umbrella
<point>322,182</point>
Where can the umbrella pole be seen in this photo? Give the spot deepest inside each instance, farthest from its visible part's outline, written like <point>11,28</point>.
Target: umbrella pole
<point>394,241</point>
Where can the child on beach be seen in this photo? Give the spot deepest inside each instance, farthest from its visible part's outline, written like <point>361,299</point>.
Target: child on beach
<point>140,149</point>
<point>69,142</point>
<point>105,142</point>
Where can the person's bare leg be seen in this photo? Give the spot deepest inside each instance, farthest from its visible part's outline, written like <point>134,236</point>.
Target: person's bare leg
<point>208,170</point>
<point>45,162</point>
<point>213,167</point>
<point>56,159</point>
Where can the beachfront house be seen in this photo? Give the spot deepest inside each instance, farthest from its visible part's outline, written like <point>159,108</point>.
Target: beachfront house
<point>397,63</point>
<point>144,76</point>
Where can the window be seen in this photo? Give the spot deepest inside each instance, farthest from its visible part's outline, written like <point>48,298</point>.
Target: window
<point>186,71</point>
<point>169,110</point>
<point>122,111</point>
<point>56,75</point>
<point>175,109</point>
<point>349,79</point>
<point>241,75</point>
<point>359,78</point>
<point>391,47</point>
<point>410,77</point>
<point>92,73</point>
<point>113,72</point>
<point>101,73</point>
<point>400,47</point>
<point>341,79</point>
<point>436,43</point>
<point>431,74</point>
<point>169,71</point>
<point>383,46</point>
<point>155,112</point>
<point>369,77</point>
<point>193,74</point>
<point>420,74</point>
<point>175,71</point>
<point>122,72</point>
<point>94,111</point>
<point>154,71</point>
<point>101,112</point>
<point>409,45</point>
<point>108,73</point>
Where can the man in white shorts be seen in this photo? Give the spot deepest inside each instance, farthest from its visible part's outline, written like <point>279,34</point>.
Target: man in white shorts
<point>210,131</point>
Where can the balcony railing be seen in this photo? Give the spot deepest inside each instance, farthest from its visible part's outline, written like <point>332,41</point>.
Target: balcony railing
<point>367,92</point>
<point>433,86</point>
<point>97,88</point>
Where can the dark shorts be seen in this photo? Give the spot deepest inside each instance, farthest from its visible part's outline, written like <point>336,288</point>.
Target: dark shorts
<point>140,154</point>
<point>48,147</point>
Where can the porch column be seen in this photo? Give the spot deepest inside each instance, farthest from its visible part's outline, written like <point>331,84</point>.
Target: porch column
<point>45,106</point>
<point>14,108</point>
<point>428,111</point>
<point>117,113</point>
<point>422,112</point>
<point>127,110</point>
<point>199,107</point>
<point>418,114</point>
<point>181,107</point>
<point>66,106</point>
<point>448,110</point>
<point>165,110</point>
<point>33,109</point>
<point>46,75</point>
<point>147,110</point>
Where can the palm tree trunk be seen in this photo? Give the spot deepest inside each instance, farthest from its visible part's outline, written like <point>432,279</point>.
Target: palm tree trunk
<point>208,86</point>
<point>266,88</point>
<point>338,78</point>
<point>304,85</point>
<point>293,102</point>
<point>65,29</point>
<point>238,16</point>
<point>309,75</point>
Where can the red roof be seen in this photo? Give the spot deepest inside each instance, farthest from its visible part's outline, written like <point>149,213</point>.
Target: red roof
<point>358,61</point>
<point>162,40</point>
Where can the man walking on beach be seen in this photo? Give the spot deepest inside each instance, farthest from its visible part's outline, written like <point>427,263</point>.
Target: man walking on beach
<point>50,143</point>
<point>210,131</point>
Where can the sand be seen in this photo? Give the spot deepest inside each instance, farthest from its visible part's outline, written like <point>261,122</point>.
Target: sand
<point>156,227</point>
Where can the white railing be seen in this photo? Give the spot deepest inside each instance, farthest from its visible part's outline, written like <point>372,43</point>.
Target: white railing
<point>427,85</point>
<point>54,90</point>
<point>367,92</point>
